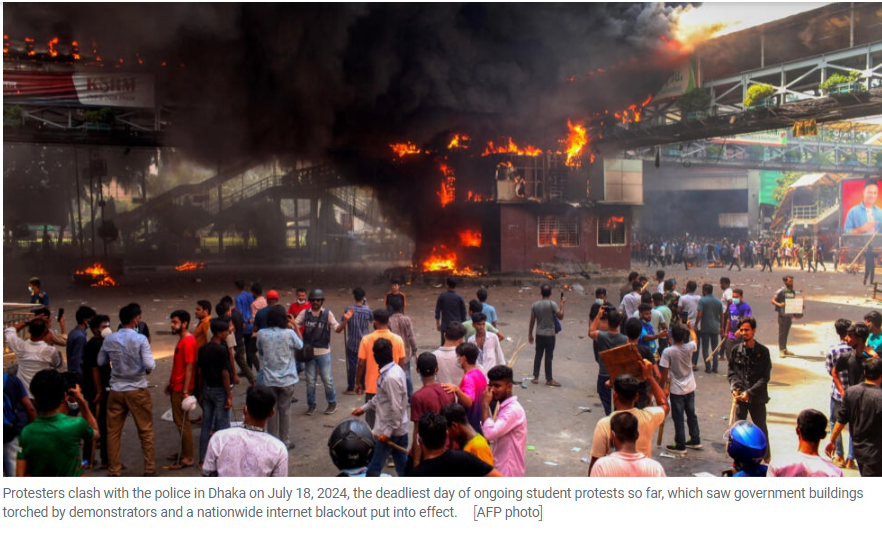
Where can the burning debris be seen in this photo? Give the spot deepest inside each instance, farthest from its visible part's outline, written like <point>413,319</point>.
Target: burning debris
<point>470,238</point>
<point>95,276</point>
<point>403,149</point>
<point>190,266</point>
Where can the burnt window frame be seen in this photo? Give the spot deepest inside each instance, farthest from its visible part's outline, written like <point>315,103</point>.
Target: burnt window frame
<point>568,228</point>
<point>624,233</point>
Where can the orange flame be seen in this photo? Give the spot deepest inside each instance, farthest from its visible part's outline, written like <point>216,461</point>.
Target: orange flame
<point>440,260</point>
<point>402,149</point>
<point>504,164</point>
<point>576,140</point>
<point>546,274</point>
<point>470,238</point>
<point>447,193</point>
<point>511,148</point>
<point>190,266</point>
<point>51,44</point>
<point>75,50</point>
<point>100,276</point>
<point>459,141</point>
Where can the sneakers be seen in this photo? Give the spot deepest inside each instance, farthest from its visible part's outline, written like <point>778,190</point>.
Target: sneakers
<point>694,445</point>
<point>332,408</point>
<point>552,382</point>
<point>310,411</point>
<point>673,448</point>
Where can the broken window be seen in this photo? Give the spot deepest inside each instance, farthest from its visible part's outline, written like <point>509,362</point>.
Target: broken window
<point>611,231</point>
<point>558,231</point>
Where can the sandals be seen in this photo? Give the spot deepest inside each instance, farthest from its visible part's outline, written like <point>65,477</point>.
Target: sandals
<point>535,381</point>
<point>552,382</point>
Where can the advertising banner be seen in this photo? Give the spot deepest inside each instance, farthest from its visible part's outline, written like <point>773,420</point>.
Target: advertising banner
<point>114,90</point>
<point>861,213</point>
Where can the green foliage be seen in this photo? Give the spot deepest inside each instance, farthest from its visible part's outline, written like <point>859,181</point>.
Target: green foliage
<point>696,99</point>
<point>756,93</point>
<point>102,116</point>
<point>837,78</point>
<point>783,184</point>
<point>12,115</point>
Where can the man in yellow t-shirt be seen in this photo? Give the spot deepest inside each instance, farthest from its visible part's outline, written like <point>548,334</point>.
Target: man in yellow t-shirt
<point>461,432</point>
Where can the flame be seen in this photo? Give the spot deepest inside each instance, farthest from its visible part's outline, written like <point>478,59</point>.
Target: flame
<point>52,42</point>
<point>75,50</point>
<point>447,193</point>
<point>614,222</point>
<point>440,260</point>
<point>459,141</point>
<point>576,140</point>
<point>190,266</point>
<point>100,276</point>
<point>470,238</point>
<point>511,148</point>
<point>402,149</point>
<point>546,274</point>
<point>504,164</point>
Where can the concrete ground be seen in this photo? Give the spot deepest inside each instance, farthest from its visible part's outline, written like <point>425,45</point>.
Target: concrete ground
<point>559,432</point>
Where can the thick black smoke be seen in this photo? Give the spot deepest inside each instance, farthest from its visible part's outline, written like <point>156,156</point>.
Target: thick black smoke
<point>342,81</point>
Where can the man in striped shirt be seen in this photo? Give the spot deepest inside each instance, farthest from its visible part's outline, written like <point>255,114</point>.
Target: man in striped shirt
<point>834,354</point>
<point>357,320</point>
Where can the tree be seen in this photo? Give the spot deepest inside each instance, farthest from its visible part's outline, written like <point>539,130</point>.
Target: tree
<point>783,184</point>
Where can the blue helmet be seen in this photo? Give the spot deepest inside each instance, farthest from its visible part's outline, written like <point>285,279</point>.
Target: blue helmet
<point>747,443</point>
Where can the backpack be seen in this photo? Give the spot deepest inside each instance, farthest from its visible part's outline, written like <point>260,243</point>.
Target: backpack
<point>9,416</point>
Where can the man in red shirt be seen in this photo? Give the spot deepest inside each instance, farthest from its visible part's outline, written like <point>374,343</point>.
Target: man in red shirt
<point>180,384</point>
<point>299,306</point>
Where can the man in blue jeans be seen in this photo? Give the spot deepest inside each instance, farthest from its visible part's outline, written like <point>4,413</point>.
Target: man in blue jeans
<point>390,405</point>
<point>836,352</point>
<point>213,373</point>
<point>604,340</point>
<point>317,323</point>
<point>676,364</point>
<point>276,345</point>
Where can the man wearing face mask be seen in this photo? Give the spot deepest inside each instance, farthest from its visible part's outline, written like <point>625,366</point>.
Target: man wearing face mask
<point>736,312</point>
<point>96,384</point>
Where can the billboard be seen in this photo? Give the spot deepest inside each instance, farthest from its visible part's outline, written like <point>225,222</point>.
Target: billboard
<point>861,211</point>
<point>687,77</point>
<point>113,90</point>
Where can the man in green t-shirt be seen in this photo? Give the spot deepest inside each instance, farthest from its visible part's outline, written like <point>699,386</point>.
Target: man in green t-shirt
<point>50,445</point>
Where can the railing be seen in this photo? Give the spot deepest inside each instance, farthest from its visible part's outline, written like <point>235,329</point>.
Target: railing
<point>804,211</point>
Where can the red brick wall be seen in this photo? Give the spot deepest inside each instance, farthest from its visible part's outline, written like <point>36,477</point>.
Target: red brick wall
<point>519,249</point>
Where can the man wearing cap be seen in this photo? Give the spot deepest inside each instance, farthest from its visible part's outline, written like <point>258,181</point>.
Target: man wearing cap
<point>272,299</point>
<point>317,323</point>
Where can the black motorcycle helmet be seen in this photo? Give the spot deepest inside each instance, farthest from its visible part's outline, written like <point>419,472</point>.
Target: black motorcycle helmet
<point>351,444</point>
<point>316,294</point>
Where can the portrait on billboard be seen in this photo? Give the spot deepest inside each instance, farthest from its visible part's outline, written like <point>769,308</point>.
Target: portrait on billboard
<point>859,202</point>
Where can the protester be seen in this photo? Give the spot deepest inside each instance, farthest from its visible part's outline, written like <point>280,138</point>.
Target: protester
<point>736,312</point>
<point>506,429</point>
<point>461,432</point>
<point>276,345</point>
<point>36,293</point>
<point>272,299</point>
<point>248,451</point>
<point>632,300</point>
<point>244,300</point>
<point>131,361</point>
<point>448,371</point>
<point>475,308</point>
<point>675,363</point>
<point>861,410</point>
<point>873,319</point>
<point>402,326</point>
<point>750,370</point>
<point>838,352</point>
<point>785,320</point>
<point>368,371</point>
<point>471,388</point>
<point>96,385</point>
<point>76,340</point>
<point>238,322</point>
<point>395,296</point>
<point>202,333</point>
<point>449,307</point>
<point>542,317</point>
<point>432,397</point>
<point>489,348</point>
<point>487,309</point>
<point>747,446</point>
<point>625,394</point>
<point>390,406</point>
<point>213,374</point>
<point>35,354</point>
<point>17,413</point>
<point>300,303</point>
<point>357,319</point>
<point>605,340</point>
<point>438,461</point>
<point>180,384</point>
<point>626,461</point>
<point>710,310</point>
<point>811,428</point>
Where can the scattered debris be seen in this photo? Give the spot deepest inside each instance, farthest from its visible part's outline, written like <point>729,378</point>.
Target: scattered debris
<point>576,449</point>
<point>551,463</point>
<point>531,448</point>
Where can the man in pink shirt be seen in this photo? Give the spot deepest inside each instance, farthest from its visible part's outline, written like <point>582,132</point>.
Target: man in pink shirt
<point>626,461</point>
<point>471,388</point>
<point>811,428</point>
<point>506,430</point>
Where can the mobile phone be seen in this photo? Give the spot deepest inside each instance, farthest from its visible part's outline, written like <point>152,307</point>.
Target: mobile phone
<point>60,314</point>
<point>561,296</point>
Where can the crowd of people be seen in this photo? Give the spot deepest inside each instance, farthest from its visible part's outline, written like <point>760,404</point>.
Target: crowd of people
<point>808,255</point>
<point>466,419</point>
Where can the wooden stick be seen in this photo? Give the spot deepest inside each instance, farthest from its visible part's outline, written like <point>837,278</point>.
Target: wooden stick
<point>397,447</point>
<point>496,411</point>
<point>714,352</point>
<point>514,356</point>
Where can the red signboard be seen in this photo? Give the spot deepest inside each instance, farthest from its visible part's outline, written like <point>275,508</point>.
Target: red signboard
<point>114,90</point>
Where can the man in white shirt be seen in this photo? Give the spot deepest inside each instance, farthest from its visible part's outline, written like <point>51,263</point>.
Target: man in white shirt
<point>33,355</point>
<point>631,301</point>
<point>688,304</point>
<point>626,461</point>
<point>248,451</point>
<point>448,371</point>
<point>676,363</point>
